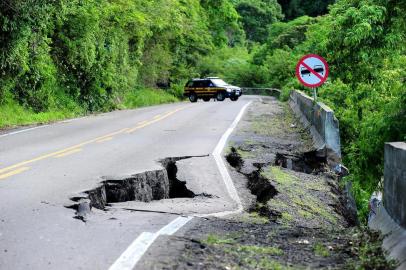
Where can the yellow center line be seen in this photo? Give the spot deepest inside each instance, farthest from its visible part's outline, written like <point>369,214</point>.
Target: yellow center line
<point>157,116</point>
<point>71,152</point>
<point>143,122</point>
<point>20,170</point>
<point>60,152</point>
<point>155,120</point>
<point>105,140</point>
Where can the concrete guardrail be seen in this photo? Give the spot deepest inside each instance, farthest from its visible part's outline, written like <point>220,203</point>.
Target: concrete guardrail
<point>323,125</point>
<point>390,217</point>
<point>261,91</point>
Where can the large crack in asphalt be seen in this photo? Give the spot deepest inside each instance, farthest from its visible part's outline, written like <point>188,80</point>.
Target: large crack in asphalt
<point>308,162</point>
<point>144,187</point>
<point>258,185</point>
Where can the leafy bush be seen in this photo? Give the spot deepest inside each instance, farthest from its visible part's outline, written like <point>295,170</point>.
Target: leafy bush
<point>95,52</point>
<point>364,44</point>
<point>147,97</point>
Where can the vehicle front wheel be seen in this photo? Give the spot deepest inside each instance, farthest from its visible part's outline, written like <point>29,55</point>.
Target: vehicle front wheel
<point>234,98</point>
<point>206,99</point>
<point>221,96</point>
<point>193,97</point>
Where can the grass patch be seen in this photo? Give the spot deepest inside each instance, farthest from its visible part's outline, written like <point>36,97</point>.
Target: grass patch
<point>297,199</point>
<point>286,217</point>
<point>255,218</point>
<point>245,154</point>
<point>279,176</point>
<point>257,257</point>
<point>13,114</point>
<point>213,239</point>
<point>305,214</point>
<point>266,263</point>
<point>320,250</point>
<point>367,251</point>
<point>259,250</point>
<point>147,97</point>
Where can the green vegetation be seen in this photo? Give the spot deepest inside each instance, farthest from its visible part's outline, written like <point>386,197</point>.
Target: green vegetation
<point>297,8</point>
<point>257,17</point>
<point>364,43</point>
<point>256,257</point>
<point>321,250</point>
<point>147,97</point>
<point>259,250</point>
<point>367,248</point>
<point>254,217</point>
<point>216,240</point>
<point>296,201</point>
<point>64,58</point>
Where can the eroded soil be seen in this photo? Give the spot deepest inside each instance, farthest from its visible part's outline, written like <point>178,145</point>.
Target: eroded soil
<point>294,216</point>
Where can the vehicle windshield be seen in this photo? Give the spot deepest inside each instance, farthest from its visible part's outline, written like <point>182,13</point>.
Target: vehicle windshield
<point>219,82</point>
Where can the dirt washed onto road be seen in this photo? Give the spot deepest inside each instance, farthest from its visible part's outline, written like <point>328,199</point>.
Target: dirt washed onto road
<point>295,215</point>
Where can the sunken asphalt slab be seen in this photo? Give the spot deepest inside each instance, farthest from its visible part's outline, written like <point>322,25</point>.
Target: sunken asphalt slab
<point>41,169</point>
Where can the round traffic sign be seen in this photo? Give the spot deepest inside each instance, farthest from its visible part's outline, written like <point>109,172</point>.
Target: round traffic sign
<point>312,70</point>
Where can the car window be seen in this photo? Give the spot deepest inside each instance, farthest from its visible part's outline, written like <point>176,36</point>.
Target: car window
<point>219,82</point>
<point>206,83</point>
<point>197,84</point>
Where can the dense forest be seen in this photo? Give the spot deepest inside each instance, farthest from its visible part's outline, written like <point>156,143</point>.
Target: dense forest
<point>62,58</point>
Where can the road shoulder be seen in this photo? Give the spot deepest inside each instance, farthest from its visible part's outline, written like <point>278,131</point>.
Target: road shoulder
<point>294,215</point>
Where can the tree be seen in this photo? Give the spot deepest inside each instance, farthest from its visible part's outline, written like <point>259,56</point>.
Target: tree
<point>296,8</point>
<point>257,16</point>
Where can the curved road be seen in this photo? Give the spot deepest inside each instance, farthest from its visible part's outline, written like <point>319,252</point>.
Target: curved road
<point>42,168</point>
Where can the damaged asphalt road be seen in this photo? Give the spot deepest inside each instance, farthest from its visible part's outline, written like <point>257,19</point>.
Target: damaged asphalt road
<point>295,213</point>
<point>67,191</point>
<point>98,192</point>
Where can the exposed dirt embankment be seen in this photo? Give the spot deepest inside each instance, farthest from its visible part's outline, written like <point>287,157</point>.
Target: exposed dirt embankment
<point>296,217</point>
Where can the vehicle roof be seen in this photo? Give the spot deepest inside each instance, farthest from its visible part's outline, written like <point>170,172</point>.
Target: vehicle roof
<point>204,79</point>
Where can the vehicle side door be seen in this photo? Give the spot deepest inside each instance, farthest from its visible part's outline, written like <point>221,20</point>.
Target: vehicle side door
<point>198,87</point>
<point>207,85</point>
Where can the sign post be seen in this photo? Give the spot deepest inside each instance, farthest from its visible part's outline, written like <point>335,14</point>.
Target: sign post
<point>312,71</point>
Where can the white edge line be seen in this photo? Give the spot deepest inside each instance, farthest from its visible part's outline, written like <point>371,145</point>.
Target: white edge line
<point>232,191</point>
<point>80,118</point>
<point>23,130</point>
<point>42,126</point>
<point>130,257</point>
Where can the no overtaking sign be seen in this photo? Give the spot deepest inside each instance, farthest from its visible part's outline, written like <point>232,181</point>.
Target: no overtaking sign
<point>312,70</point>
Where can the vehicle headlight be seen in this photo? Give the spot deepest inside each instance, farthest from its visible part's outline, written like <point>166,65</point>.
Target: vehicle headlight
<point>229,90</point>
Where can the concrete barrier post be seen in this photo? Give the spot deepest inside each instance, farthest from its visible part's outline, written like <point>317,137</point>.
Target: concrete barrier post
<point>322,123</point>
<point>394,197</point>
<point>390,217</point>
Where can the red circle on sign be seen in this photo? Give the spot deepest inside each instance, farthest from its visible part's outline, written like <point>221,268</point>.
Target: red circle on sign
<point>322,80</point>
